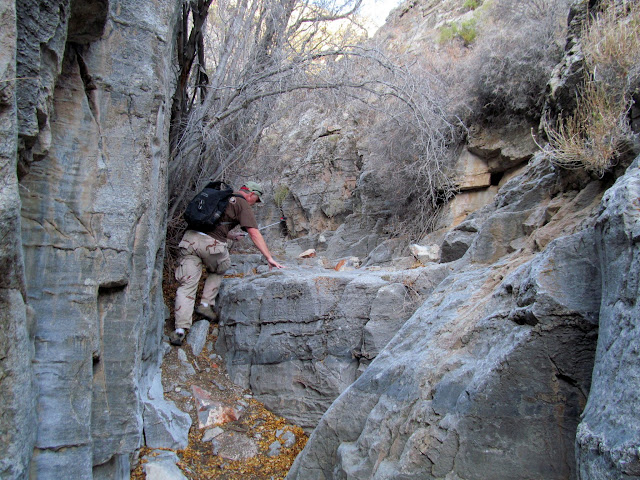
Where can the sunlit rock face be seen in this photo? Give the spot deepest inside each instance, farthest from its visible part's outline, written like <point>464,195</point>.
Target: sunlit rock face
<point>93,130</point>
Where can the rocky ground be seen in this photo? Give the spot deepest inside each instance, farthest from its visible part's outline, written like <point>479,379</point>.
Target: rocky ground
<point>232,436</point>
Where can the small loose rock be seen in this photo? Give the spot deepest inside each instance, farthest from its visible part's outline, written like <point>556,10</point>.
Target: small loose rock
<point>211,434</point>
<point>274,449</point>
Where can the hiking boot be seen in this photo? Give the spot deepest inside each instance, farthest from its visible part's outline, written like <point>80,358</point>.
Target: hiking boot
<point>176,338</point>
<point>207,312</point>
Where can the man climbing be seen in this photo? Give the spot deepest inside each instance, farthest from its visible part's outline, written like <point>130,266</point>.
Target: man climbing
<point>210,248</point>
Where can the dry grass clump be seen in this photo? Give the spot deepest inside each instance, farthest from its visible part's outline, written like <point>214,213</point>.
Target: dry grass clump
<point>590,137</point>
<point>611,45</point>
<point>595,134</point>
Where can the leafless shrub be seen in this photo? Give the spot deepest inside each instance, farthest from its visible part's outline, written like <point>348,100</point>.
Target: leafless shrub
<point>519,44</point>
<point>234,59</point>
<point>256,50</point>
<point>414,160</point>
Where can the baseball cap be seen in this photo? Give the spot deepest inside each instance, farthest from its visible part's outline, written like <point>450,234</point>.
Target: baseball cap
<point>255,188</point>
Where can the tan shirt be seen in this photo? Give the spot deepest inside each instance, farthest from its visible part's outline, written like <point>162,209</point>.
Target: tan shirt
<point>238,212</point>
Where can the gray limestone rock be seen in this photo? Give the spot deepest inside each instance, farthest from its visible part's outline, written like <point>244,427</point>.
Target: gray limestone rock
<point>185,368</point>
<point>498,236</point>
<point>455,245</point>
<point>245,264</point>
<point>357,236</point>
<point>17,389</point>
<point>489,376</point>
<point>322,167</point>
<point>165,426</point>
<point>212,433</point>
<point>291,336</point>
<point>162,465</point>
<point>503,148</point>
<point>17,392</point>
<point>385,253</point>
<point>234,446</point>
<point>274,449</point>
<point>389,310</point>
<point>93,125</point>
<point>198,336</point>
<point>608,440</point>
<point>288,437</point>
<point>462,390</point>
<point>42,35</point>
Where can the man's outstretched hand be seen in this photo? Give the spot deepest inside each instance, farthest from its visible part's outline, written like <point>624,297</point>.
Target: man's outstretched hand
<point>273,263</point>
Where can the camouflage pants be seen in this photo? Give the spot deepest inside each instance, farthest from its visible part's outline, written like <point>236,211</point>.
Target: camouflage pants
<point>196,250</point>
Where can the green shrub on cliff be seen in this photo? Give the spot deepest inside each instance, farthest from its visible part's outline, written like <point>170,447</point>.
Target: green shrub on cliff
<point>280,194</point>
<point>471,4</point>
<point>465,30</point>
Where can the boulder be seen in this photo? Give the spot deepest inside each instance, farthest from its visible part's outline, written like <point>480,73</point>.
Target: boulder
<point>298,337</point>
<point>234,446</point>
<point>274,449</point>
<point>287,436</point>
<point>212,412</point>
<point>212,433</point>
<point>425,253</point>
<point>386,253</point>
<point>455,245</point>
<point>289,336</point>
<point>504,147</point>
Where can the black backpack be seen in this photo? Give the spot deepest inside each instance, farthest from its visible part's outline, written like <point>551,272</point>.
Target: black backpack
<point>206,208</point>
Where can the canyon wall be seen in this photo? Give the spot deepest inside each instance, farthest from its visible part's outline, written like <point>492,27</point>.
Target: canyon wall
<point>487,378</point>
<point>88,116</point>
<point>17,392</point>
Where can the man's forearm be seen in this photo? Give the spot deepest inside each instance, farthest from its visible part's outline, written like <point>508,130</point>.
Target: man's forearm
<point>258,241</point>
